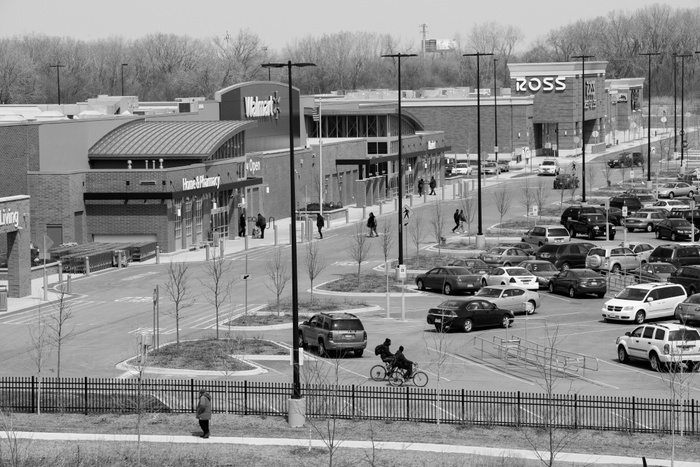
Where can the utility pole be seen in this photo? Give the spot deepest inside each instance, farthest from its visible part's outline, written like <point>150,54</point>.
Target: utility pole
<point>649,55</point>
<point>683,57</point>
<point>583,122</point>
<point>58,67</point>
<point>424,30</point>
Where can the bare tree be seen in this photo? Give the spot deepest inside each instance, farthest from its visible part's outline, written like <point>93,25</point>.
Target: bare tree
<point>527,197</point>
<point>416,230</point>
<point>503,198</point>
<point>59,331</point>
<point>468,205</point>
<point>39,350</point>
<point>437,222</point>
<point>359,248</point>
<point>607,172</point>
<point>591,176</point>
<point>218,283</point>
<point>315,264</point>
<point>276,269</point>
<point>573,187</point>
<point>177,289</point>
<point>541,196</point>
<point>386,243</point>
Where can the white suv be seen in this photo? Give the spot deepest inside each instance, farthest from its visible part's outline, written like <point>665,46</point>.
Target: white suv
<point>642,301</point>
<point>612,259</point>
<point>661,345</point>
<point>548,167</point>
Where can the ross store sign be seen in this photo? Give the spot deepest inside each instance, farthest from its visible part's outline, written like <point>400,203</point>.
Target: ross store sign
<point>200,181</point>
<point>8,217</point>
<point>543,84</point>
<point>256,108</point>
<point>432,144</point>
<point>589,93</point>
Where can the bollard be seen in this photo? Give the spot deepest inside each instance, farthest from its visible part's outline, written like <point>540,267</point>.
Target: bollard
<point>87,266</point>
<point>69,285</point>
<point>3,298</point>
<point>347,216</point>
<point>303,231</point>
<point>207,252</point>
<point>364,212</point>
<point>410,200</point>
<point>396,204</point>
<point>157,254</point>
<point>425,197</point>
<point>222,247</point>
<point>381,208</point>
<point>274,229</point>
<point>245,242</point>
<point>328,221</point>
<point>443,192</point>
<point>60,272</point>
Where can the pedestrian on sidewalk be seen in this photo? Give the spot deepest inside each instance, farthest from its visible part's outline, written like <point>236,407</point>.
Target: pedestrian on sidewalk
<point>455,216</point>
<point>261,223</point>
<point>204,412</point>
<point>320,223</point>
<point>421,184</point>
<point>433,184</point>
<point>462,220</point>
<point>241,225</point>
<point>372,224</point>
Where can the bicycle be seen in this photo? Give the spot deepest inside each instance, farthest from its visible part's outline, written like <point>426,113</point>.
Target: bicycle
<point>380,372</point>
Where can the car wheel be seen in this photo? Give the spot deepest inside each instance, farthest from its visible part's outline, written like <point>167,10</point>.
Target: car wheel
<point>540,244</point>
<point>601,294</point>
<point>657,234</point>
<point>640,317</point>
<point>447,289</point>
<point>483,283</point>
<point>630,229</point>
<point>622,355</point>
<point>650,227</point>
<point>591,235</point>
<point>572,292</point>
<point>439,328</point>
<point>530,307</point>
<point>655,362</point>
<point>616,268</point>
<point>565,267</point>
<point>420,284</point>
<point>670,195</point>
<point>573,232</point>
<point>506,265</point>
<point>612,237</point>
<point>359,352</point>
<point>691,290</point>
<point>322,349</point>
<point>505,321</point>
<point>673,236</point>
<point>468,325</point>
<point>551,288</point>
<point>690,194</point>
<point>302,343</point>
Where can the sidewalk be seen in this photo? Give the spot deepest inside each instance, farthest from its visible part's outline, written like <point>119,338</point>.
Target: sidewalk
<point>573,458</point>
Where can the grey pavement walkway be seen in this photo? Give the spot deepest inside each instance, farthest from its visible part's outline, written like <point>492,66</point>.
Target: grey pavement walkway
<point>573,458</point>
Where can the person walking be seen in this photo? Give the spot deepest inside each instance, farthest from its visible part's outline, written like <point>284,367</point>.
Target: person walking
<point>261,224</point>
<point>241,225</point>
<point>320,223</point>
<point>372,224</point>
<point>433,184</point>
<point>462,220</point>
<point>421,184</point>
<point>204,412</point>
<point>455,216</point>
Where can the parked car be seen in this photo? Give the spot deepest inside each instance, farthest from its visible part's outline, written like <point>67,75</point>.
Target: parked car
<point>526,247</point>
<point>644,220</point>
<point>565,182</point>
<point>675,189</point>
<point>576,282</point>
<point>653,272</point>
<point>688,277</point>
<point>543,270</point>
<point>504,165</point>
<point>643,250</point>
<point>660,344</point>
<point>647,200</point>
<point>691,215</point>
<point>677,229</point>
<point>473,264</point>
<point>688,311</point>
<point>462,168</point>
<point>677,255</point>
<point>490,168</point>
<point>467,314</point>
<point>449,280</point>
<point>614,259</point>
<point>644,301</point>
<point>548,167</point>
<point>513,298</point>
<point>511,276</point>
<point>332,332</point>
<point>448,169</point>
<point>632,202</point>
<point>564,255</point>
<point>504,256</point>
<point>587,220</point>
<point>671,204</point>
<point>625,159</point>
<point>541,234</point>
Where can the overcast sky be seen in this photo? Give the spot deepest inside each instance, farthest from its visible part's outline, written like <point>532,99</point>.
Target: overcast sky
<point>279,22</point>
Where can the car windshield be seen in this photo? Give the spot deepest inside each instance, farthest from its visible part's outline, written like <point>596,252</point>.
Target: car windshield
<point>662,253</point>
<point>543,267</point>
<point>462,165</point>
<point>497,251</point>
<point>679,222</point>
<point>449,304</point>
<point>663,268</point>
<point>348,325</point>
<point>548,163</point>
<point>597,251</point>
<point>676,203</point>
<point>586,273</point>
<point>693,299</point>
<point>683,335</point>
<point>670,185</point>
<point>632,294</point>
<point>518,272</point>
<point>558,232</point>
<point>460,271</point>
<point>490,164</point>
<point>489,292</point>
<point>595,218</point>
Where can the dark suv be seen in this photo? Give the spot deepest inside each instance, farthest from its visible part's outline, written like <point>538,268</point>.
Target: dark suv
<point>688,277</point>
<point>632,202</point>
<point>564,255</point>
<point>333,331</point>
<point>678,255</point>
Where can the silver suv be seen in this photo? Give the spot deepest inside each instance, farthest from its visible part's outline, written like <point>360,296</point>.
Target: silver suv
<point>541,234</point>
<point>660,344</point>
<point>612,259</point>
<point>333,332</point>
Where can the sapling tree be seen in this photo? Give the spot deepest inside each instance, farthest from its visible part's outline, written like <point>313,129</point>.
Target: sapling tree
<point>527,197</point>
<point>359,248</point>
<point>416,231</point>
<point>315,263</point>
<point>386,243</point>
<point>503,199</point>
<point>39,350</point>
<point>218,283</point>
<point>468,205</point>
<point>279,275</point>
<point>437,222</point>
<point>591,176</point>
<point>177,289</point>
<point>541,196</point>
<point>60,328</point>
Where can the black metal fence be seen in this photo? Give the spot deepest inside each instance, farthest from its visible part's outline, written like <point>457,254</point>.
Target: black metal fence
<point>489,408</point>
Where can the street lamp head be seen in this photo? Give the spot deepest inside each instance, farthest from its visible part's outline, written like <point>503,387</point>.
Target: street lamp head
<point>282,65</point>
<point>398,55</point>
<point>125,64</point>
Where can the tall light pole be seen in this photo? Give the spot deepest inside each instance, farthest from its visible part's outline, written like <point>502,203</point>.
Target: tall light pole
<point>583,123</point>
<point>675,97</point>
<point>682,57</point>
<point>400,162</point>
<point>495,115</point>
<point>296,388</point>
<point>480,240</point>
<point>123,65</point>
<point>649,54</point>
<point>58,67</point>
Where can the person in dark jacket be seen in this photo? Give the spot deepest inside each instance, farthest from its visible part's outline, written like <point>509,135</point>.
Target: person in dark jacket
<point>433,184</point>
<point>241,226</point>
<point>204,412</point>
<point>400,361</point>
<point>421,184</point>
<point>261,224</point>
<point>383,351</point>
<point>455,216</point>
<point>320,223</point>
<point>372,224</point>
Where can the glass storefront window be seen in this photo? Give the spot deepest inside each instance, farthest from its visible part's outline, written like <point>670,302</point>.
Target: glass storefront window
<point>178,218</point>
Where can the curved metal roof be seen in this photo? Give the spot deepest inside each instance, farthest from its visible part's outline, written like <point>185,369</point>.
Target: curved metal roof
<point>172,139</point>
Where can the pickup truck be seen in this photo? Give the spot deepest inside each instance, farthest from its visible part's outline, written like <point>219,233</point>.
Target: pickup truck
<point>589,224</point>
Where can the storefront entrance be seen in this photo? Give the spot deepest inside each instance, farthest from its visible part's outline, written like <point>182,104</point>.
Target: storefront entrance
<point>14,226</point>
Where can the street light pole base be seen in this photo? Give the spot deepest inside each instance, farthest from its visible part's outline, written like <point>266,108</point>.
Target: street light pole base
<point>296,412</point>
<point>649,185</point>
<point>480,242</point>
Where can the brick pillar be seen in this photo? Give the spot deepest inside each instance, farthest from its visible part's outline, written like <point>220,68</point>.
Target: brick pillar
<point>19,264</point>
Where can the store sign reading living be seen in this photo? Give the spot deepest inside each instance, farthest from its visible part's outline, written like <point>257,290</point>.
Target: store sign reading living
<point>537,84</point>
<point>200,181</point>
<point>256,108</point>
<point>8,217</point>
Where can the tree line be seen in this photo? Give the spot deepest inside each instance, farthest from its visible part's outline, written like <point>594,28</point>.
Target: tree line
<point>166,66</point>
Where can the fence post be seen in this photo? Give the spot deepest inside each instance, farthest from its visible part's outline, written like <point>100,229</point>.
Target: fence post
<point>519,410</point>
<point>193,408</point>
<point>33,403</point>
<point>87,266</point>
<point>353,398</point>
<point>463,411</point>
<point>575,411</point>
<point>634,419</point>
<point>245,397</point>
<point>86,395</point>
<point>408,405</point>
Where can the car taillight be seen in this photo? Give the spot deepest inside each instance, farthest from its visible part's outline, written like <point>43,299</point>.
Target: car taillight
<point>667,349</point>
<point>330,336</point>
<point>364,335</point>
<point>512,280</point>
<point>546,240</point>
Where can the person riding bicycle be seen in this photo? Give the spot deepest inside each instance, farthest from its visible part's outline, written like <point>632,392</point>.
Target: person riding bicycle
<point>384,353</point>
<point>400,361</point>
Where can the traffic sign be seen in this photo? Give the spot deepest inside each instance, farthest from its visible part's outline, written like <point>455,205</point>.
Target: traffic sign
<point>401,272</point>
<point>631,173</point>
<point>624,211</point>
<point>692,204</point>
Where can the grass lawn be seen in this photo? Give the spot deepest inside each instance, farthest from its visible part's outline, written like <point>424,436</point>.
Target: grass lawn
<point>270,315</point>
<point>370,282</point>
